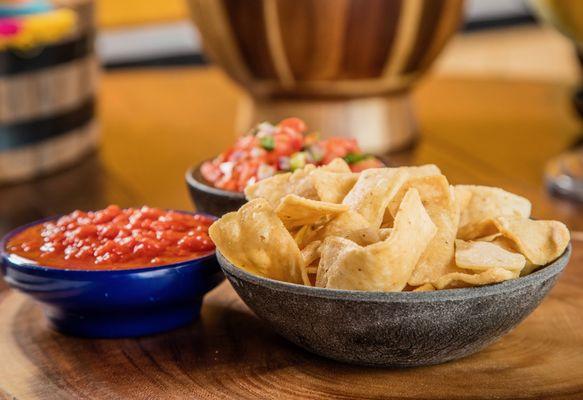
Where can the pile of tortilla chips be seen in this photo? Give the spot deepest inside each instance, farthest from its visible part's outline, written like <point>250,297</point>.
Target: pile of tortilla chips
<point>385,229</point>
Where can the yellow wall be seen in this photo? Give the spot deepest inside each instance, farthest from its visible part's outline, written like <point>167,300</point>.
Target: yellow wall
<point>119,13</point>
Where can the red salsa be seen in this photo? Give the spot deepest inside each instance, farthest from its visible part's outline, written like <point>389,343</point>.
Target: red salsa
<point>270,149</point>
<point>115,239</point>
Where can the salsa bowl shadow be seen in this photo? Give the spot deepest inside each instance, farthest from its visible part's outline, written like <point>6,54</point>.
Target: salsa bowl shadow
<point>209,199</point>
<point>393,329</point>
<point>113,303</point>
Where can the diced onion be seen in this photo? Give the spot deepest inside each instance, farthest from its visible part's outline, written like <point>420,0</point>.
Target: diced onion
<point>227,168</point>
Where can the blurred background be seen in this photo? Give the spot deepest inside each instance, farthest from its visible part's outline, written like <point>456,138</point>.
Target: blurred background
<point>133,80</point>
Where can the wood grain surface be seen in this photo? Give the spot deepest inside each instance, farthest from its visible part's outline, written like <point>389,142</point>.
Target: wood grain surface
<point>493,132</point>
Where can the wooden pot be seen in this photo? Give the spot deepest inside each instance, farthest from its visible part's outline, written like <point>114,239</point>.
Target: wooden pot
<point>345,66</point>
<point>47,102</point>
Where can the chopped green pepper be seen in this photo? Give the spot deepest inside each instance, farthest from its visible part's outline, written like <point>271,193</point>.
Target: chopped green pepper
<point>353,158</point>
<point>267,142</point>
<point>298,160</point>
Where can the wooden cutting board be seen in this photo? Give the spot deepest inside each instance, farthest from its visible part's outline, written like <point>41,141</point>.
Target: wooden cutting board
<point>230,353</point>
<point>484,131</point>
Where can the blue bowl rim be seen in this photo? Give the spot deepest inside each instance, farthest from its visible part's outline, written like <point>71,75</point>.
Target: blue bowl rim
<point>198,184</point>
<point>27,266</point>
<point>540,275</point>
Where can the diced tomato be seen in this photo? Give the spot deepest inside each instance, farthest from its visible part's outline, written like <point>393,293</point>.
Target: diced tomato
<point>133,238</point>
<point>294,124</point>
<point>210,171</point>
<point>237,166</point>
<point>368,163</point>
<point>335,147</point>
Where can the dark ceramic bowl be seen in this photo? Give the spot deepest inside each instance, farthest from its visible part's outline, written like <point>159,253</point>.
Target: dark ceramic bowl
<point>124,303</point>
<point>209,199</point>
<point>399,329</point>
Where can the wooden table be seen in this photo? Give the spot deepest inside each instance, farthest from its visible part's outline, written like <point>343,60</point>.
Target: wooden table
<point>158,122</point>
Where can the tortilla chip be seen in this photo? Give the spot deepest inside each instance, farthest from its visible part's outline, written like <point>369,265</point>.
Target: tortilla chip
<point>440,204</point>
<point>481,256</point>
<point>412,179</point>
<point>461,279</point>
<point>333,186</point>
<point>295,211</point>
<point>409,173</point>
<point>509,245</point>
<point>336,165</point>
<point>372,193</point>
<point>300,183</point>
<point>490,238</point>
<point>254,239</point>
<point>481,204</point>
<point>428,287</point>
<point>383,266</point>
<point>476,230</point>
<point>384,233</point>
<point>272,189</point>
<point>311,253</point>
<point>349,225</point>
<point>541,242</point>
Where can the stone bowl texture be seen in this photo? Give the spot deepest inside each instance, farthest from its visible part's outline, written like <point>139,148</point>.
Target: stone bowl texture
<point>393,329</point>
<point>209,199</point>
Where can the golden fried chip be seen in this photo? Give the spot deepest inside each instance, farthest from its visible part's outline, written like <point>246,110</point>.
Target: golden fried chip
<point>300,183</point>
<point>333,186</point>
<point>408,173</point>
<point>541,242</point>
<point>384,233</point>
<point>481,256</point>
<point>254,239</point>
<point>440,204</point>
<point>300,234</point>
<point>461,279</point>
<point>332,251</point>
<point>311,253</point>
<point>349,225</point>
<point>337,165</point>
<point>481,204</point>
<point>412,179</point>
<point>509,245</point>
<point>428,287</point>
<point>272,189</point>
<point>295,211</point>
<point>276,187</point>
<point>372,193</point>
<point>383,266</point>
<point>490,238</point>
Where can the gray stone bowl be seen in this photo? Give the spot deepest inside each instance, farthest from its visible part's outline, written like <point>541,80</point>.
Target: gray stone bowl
<point>209,199</point>
<point>399,329</point>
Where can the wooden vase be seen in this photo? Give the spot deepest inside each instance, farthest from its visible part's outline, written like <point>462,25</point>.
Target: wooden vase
<point>47,102</point>
<point>345,66</point>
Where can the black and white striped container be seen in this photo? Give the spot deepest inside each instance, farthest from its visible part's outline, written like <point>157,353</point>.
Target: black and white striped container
<point>47,102</point>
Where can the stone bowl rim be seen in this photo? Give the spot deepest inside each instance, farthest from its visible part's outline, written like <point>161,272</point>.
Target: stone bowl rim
<point>537,277</point>
<point>195,180</point>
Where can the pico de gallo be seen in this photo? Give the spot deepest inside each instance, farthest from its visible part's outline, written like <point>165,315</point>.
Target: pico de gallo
<point>270,149</point>
<point>115,239</point>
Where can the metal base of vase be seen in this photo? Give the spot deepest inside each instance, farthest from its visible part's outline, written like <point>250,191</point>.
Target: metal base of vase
<point>380,124</point>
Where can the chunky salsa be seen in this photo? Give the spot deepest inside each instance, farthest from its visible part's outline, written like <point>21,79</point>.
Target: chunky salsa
<point>269,149</point>
<point>115,239</point>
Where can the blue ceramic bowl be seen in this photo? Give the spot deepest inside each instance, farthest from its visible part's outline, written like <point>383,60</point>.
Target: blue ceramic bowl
<point>111,304</point>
